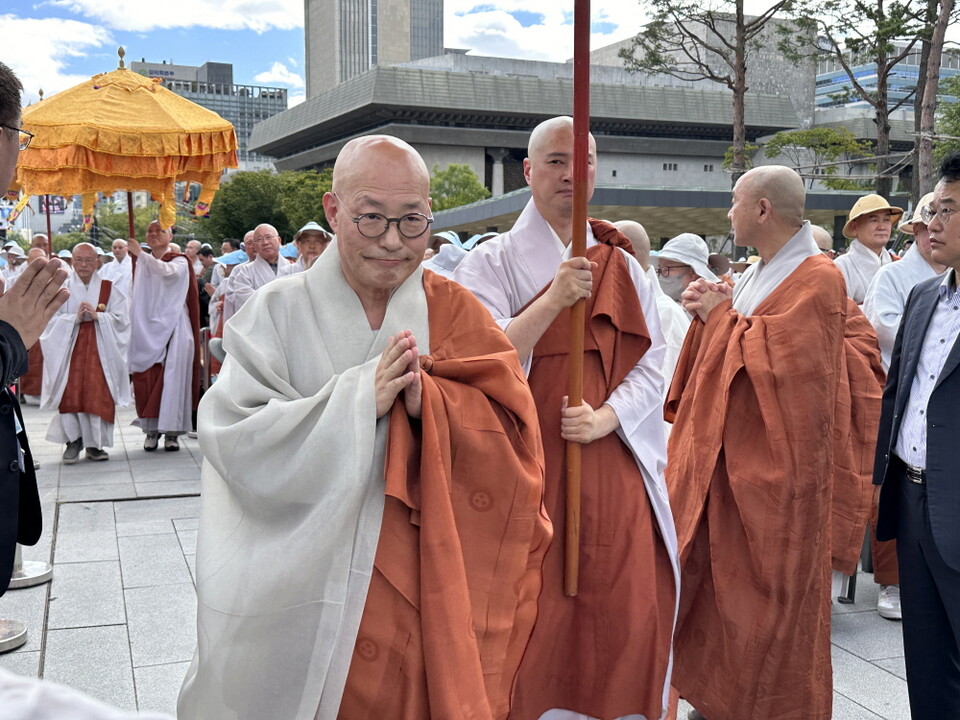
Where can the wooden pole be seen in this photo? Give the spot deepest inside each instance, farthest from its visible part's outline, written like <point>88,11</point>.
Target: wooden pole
<point>581,148</point>
<point>49,231</point>
<point>131,232</point>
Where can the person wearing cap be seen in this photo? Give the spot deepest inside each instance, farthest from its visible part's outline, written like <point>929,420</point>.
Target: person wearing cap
<point>262,269</point>
<point>16,262</point>
<point>311,240</point>
<point>917,462</point>
<point>883,305</point>
<point>680,261</point>
<point>774,402</point>
<point>674,320</point>
<point>606,652</point>
<point>868,227</point>
<point>85,373</point>
<point>164,341</point>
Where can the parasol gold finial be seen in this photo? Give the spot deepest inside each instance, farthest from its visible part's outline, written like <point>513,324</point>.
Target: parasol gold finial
<point>121,52</point>
<point>41,93</point>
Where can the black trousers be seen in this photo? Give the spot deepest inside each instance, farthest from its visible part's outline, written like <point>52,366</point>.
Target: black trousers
<point>930,602</point>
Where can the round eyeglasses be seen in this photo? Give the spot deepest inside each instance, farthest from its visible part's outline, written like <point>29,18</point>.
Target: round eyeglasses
<point>374,225</point>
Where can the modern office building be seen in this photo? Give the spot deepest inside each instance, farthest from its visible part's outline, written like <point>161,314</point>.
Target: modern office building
<point>211,85</point>
<point>834,88</point>
<point>346,38</point>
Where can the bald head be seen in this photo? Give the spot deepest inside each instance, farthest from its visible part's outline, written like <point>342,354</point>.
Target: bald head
<point>822,237</point>
<point>638,238</point>
<point>362,160</point>
<point>85,261</point>
<point>267,240</point>
<point>543,134</point>
<point>780,185</point>
<point>35,253</point>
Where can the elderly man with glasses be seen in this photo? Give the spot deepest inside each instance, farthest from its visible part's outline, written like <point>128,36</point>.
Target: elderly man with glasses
<point>340,575</point>
<point>264,266</point>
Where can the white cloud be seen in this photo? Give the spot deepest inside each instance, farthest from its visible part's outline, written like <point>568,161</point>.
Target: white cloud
<point>293,100</point>
<point>38,50</point>
<point>494,31</point>
<point>278,74</point>
<point>139,16</point>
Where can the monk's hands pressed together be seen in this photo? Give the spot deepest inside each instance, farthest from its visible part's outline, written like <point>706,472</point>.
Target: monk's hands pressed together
<point>399,371</point>
<point>86,312</point>
<point>583,424</point>
<point>701,297</point>
<point>573,281</point>
<point>33,299</point>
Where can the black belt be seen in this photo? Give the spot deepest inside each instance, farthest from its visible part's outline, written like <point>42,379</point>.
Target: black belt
<point>915,474</point>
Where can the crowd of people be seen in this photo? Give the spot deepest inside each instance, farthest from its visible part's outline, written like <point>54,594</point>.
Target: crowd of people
<point>387,441</point>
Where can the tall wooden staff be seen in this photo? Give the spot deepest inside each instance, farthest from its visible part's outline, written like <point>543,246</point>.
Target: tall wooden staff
<point>581,148</point>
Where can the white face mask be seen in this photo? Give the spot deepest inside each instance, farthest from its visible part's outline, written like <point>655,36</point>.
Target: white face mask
<point>673,286</point>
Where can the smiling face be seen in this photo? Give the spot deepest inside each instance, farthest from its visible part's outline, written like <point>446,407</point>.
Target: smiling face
<point>378,175</point>
<point>85,262</point>
<point>548,170</point>
<point>157,237</point>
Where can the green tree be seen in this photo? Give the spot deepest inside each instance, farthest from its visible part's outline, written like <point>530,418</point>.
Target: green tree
<point>301,197</point>
<point>749,150</point>
<point>116,224</point>
<point>455,186</point>
<point>287,201</point>
<point>948,121</point>
<point>66,241</point>
<point>704,40</point>
<point>855,32</point>
<point>815,153</point>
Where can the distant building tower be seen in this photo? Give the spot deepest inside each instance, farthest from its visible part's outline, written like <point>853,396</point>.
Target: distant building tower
<point>345,38</point>
<point>211,85</point>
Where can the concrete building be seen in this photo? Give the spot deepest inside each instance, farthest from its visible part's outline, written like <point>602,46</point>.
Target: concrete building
<point>345,38</point>
<point>211,85</point>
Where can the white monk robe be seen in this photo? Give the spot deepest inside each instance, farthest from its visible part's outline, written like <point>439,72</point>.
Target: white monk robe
<point>112,328</point>
<point>251,276</point>
<point>887,296</point>
<point>120,273</point>
<point>161,333</point>
<point>674,323</point>
<point>292,268</point>
<point>505,275</point>
<point>859,264</point>
<point>293,495</point>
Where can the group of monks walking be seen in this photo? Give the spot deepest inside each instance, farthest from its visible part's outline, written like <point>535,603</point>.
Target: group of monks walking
<point>382,527</point>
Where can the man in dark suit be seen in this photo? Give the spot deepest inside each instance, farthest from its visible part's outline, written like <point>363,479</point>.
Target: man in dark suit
<point>918,464</point>
<point>24,311</point>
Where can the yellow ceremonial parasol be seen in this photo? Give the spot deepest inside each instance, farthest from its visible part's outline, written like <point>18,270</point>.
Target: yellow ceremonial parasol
<point>122,131</point>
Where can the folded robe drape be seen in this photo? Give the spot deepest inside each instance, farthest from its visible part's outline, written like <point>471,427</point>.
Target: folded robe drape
<point>754,494</point>
<point>453,596</point>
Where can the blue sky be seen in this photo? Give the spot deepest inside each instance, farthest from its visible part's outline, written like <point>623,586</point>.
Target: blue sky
<point>54,44</point>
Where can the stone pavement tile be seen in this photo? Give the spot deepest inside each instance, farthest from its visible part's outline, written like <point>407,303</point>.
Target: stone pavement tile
<point>866,597</point>
<point>132,513</point>
<point>47,477</point>
<point>86,594</point>
<point>188,541</point>
<point>186,523</point>
<point>93,660</point>
<point>85,517</point>
<point>21,663</point>
<point>88,493</point>
<point>179,473</point>
<point>192,563</point>
<point>28,605</point>
<point>867,635</point>
<point>152,560</point>
<point>87,546</point>
<point>168,488</point>
<point>896,665</point>
<point>89,467</point>
<point>869,686</point>
<point>158,686</point>
<point>162,623</point>
<point>846,709</point>
<point>116,476</point>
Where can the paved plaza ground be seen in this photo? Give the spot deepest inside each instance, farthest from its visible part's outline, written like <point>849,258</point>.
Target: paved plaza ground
<point>118,621</point>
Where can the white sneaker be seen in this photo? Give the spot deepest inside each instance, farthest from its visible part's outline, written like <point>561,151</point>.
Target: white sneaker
<point>888,604</point>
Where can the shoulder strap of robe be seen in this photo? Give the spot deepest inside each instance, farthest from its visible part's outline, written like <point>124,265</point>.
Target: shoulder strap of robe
<point>607,234</point>
<point>105,287</point>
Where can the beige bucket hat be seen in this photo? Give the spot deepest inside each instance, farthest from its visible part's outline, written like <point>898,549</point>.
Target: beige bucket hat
<point>907,225</point>
<point>870,204</point>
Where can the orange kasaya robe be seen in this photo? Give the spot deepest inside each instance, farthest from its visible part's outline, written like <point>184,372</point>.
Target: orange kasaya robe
<point>31,383</point>
<point>453,595</point>
<point>605,652</point>
<point>765,407</point>
<point>86,390</point>
<point>148,385</point>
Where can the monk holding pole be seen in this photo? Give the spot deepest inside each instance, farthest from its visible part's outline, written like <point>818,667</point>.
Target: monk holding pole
<point>605,652</point>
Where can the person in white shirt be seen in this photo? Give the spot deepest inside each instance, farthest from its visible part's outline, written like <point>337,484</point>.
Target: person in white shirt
<point>311,240</point>
<point>869,226</point>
